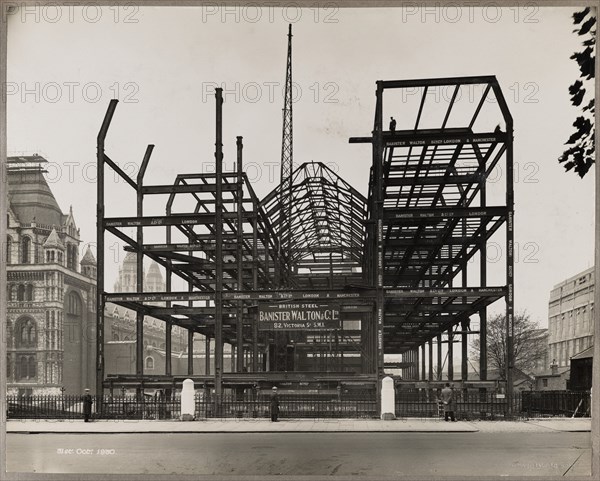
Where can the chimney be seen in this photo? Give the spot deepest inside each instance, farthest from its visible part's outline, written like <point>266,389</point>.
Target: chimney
<point>554,367</point>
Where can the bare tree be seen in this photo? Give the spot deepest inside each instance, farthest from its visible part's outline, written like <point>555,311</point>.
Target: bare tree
<point>579,156</point>
<point>529,343</point>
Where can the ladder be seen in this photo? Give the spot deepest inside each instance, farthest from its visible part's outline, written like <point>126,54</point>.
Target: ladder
<point>440,404</point>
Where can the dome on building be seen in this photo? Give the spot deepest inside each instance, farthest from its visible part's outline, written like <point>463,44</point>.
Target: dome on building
<point>31,199</point>
<point>53,241</point>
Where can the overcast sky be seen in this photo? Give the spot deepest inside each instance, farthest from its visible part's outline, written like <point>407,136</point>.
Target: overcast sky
<point>163,64</point>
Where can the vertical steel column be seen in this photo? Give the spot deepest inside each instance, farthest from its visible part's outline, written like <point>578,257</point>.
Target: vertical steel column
<point>139,337</point>
<point>510,300</point>
<point>232,358</point>
<point>423,374</point>
<point>219,250</point>
<point>483,283</point>
<point>439,357</point>
<point>190,356</point>
<point>378,238</point>
<point>139,325</point>
<point>450,354</point>
<point>239,253</point>
<point>168,348</point>
<point>510,328</point>
<point>100,247</point>
<point>206,355</point>
<point>255,208</point>
<point>415,356</point>
<point>430,376</point>
<point>464,368</point>
<point>168,286</point>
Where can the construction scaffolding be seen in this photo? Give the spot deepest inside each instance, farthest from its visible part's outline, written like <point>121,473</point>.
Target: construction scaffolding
<point>430,216</point>
<point>381,270</point>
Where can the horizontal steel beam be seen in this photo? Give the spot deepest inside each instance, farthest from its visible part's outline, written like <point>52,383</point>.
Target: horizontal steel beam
<point>409,308</point>
<point>185,188</point>
<point>400,215</point>
<point>173,219</point>
<point>437,82</point>
<point>447,292</point>
<point>189,311</point>
<point>429,241</point>
<point>158,296</point>
<point>308,294</point>
<point>410,138</point>
<point>432,180</point>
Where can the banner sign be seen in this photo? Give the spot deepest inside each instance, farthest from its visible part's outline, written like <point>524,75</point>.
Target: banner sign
<point>295,316</point>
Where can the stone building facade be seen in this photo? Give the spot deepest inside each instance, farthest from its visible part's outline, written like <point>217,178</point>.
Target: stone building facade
<point>570,318</point>
<point>51,293</point>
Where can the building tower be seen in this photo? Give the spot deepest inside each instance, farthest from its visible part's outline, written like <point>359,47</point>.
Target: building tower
<point>154,281</point>
<point>88,264</point>
<point>126,282</point>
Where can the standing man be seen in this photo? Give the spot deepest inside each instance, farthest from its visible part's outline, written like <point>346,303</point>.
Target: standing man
<point>274,405</point>
<point>87,405</point>
<point>392,124</point>
<point>448,400</point>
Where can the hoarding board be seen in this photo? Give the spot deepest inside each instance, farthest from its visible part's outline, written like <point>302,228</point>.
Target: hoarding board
<point>295,316</point>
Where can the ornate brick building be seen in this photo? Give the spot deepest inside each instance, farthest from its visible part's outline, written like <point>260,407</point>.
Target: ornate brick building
<point>50,312</point>
<point>51,317</point>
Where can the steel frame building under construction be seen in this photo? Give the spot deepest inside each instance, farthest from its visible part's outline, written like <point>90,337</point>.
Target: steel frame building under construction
<point>389,268</point>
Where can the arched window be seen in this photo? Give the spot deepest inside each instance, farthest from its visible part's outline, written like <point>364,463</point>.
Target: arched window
<point>149,363</point>
<point>25,333</point>
<point>8,250</point>
<point>74,304</point>
<point>32,367</point>
<point>26,368</point>
<point>25,248</point>
<point>29,293</point>
<point>21,293</point>
<point>72,257</point>
<point>23,367</point>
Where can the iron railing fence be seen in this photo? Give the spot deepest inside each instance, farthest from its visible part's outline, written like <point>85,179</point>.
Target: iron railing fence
<point>71,407</point>
<point>467,405</point>
<point>556,403</point>
<point>490,405</point>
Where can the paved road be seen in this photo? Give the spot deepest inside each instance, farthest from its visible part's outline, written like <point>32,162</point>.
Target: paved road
<point>288,454</point>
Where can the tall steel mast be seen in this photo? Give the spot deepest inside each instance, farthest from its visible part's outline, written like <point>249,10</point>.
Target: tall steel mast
<point>287,143</point>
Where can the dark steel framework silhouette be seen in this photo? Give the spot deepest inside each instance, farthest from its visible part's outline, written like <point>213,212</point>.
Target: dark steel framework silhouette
<point>430,216</point>
<point>395,262</point>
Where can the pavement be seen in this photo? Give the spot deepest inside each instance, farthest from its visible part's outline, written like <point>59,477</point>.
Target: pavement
<point>416,425</point>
